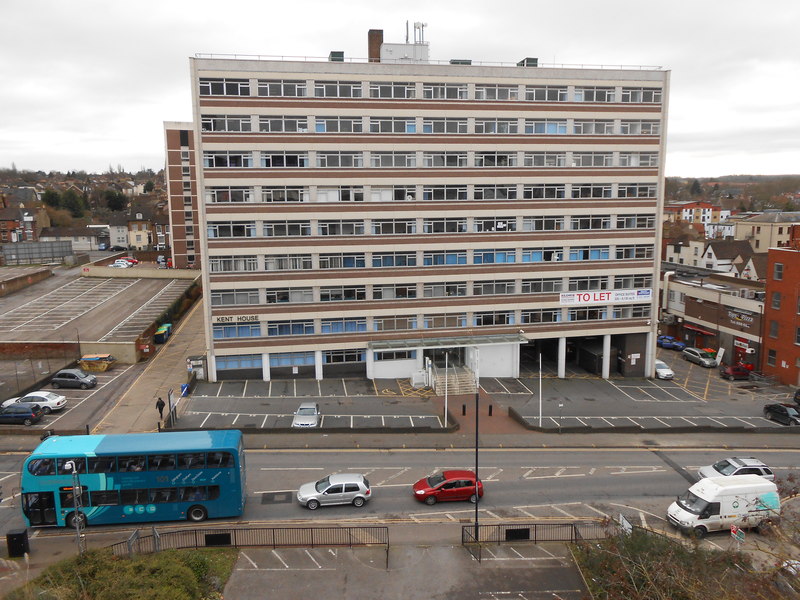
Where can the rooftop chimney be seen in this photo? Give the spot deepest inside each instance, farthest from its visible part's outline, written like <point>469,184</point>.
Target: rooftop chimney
<point>375,40</point>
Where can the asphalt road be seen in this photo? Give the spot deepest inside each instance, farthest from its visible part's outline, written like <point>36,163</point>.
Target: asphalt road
<point>521,484</point>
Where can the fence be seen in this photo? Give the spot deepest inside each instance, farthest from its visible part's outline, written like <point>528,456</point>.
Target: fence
<point>270,537</point>
<point>529,532</point>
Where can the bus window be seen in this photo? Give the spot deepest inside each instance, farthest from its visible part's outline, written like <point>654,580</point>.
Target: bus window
<point>68,499</point>
<point>63,469</point>
<point>220,460</point>
<point>39,508</point>
<point>213,492</point>
<point>194,460</point>
<point>42,466</point>
<point>161,495</point>
<point>102,464</point>
<point>105,498</point>
<point>132,463</point>
<point>136,496</point>
<point>193,494</point>
<point>161,462</point>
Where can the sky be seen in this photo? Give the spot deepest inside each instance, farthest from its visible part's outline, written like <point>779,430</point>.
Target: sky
<point>88,84</point>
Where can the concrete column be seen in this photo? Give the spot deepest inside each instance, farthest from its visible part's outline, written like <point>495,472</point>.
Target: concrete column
<point>318,364</point>
<point>562,358</point>
<point>650,357</point>
<point>370,356</point>
<point>265,371</point>
<point>606,355</point>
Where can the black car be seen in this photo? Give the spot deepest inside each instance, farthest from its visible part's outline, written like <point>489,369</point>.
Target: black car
<point>117,249</point>
<point>797,395</point>
<point>783,413</point>
<point>26,413</point>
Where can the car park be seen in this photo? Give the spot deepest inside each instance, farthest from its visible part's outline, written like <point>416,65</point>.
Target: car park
<point>340,488</point>
<point>306,415</point>
<point>25,413</point>
<point>782,413</point>
<point>669,342</point>
<point>737,466</point>
<point>49,401</point>
<point>734,373</point>
<point>663,371</point>
<point>73,378</point>
<point>699,357</point>
<point>447,486</point>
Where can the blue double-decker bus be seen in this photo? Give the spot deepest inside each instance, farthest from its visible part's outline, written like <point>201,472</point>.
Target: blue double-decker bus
<point>134,478</point>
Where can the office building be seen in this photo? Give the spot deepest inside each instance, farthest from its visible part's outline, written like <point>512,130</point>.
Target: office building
<point>371,216</point>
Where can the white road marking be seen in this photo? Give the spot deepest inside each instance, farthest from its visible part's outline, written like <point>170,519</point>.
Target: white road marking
<point>278,556</point>
<point>314,560</point>
<point>255,566</point>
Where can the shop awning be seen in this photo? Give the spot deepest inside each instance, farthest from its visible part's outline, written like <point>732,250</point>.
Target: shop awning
<point>698,329</point>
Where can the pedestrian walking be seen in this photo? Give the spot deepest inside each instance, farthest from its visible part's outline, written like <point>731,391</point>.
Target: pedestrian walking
<point>160,406</point>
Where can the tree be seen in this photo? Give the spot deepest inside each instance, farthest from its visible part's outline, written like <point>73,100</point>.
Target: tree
<point>114,200</point>
<point>51,198</point>
<point>696,188</point>
<point>149,186</point>
<point>72,202</point>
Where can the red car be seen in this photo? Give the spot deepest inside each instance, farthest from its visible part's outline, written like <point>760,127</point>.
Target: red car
<point>130,259</point>
<point>734,372</point>
<point>448,485</point>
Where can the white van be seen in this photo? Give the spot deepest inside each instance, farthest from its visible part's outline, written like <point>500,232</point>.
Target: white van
<point>716,503</point>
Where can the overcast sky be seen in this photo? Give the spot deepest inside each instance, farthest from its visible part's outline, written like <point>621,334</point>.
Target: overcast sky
<point>88,84</point>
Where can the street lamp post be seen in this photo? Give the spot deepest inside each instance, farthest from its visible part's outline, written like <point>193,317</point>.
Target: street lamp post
<point>77,492</point>
<point>477,396</point>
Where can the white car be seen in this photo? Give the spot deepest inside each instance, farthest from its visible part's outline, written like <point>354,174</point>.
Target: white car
<point>306,415</point>
<point>49,401</point>
<point>121,264</point>
<point>663,371</point>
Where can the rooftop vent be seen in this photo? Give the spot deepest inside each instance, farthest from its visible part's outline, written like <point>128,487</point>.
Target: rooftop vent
<point>528,62</point>
<point>460,61</point>
<point>336,56</point>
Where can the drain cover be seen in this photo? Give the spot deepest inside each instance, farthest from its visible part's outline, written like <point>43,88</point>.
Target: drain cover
<point>276,498</point>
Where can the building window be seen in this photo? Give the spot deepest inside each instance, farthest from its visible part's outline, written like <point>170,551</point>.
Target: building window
<point>291,359</point>
<point>544,159</point>
<point>289,295</point>
<point>482,319</point>
<point>637,222</point>
<point>305,327</point>
<point>546,93</point>
<point>495,192</point>
<point>287,262</point>
<point>589,190</point>
<point>592,159</point>
<point>637,190</point>
<point>773,329</point>
<point>582,284</point>
<point>232,264</point>
<point>236,331</point>
<point>452,257</point>
<point>267,124</point>
<point>224,87</point>
<point>495,159</point>
<point>286,228</point>
<point>340,227</point>
<point>394,323</point>
<point>394,226</point>
<point>444,290</point>
<point>234,229</point>
<point>542,286</point>
<point>587,314</point>
<point>484,257</point>
<point>430,125</point>
<point>392,125</point>
<point>225,123</point>
<point>394,259</point>
<point>492,288</point>
<point>241,361</point>
<point>638,159</point>
<point>338,125</point>
<point>342,260</point>
<point>594,94</point>
<point>776,300</point>
<point>546,126</point>
<point>631,282</point>
<point>332,160</point>
<point>591,127</point>
<point>342,293</point>
<point>797,335</point>
<point>282,160</point>
<point>343,325</point>
<point>445,321</point>
<point>772,357</point>
<point>233,297</point>
<point>281,88</point>
<point>344,356</point>
<point>642,95</point>
<point>591,222</point>
<point>491,224</point>
<point>337,89</point>
<point>445,225</point>
<point>497,126</point>
<point>444,159</point>
<point>392,159</point>
<point>444,192</point>
<point>589,253</point>
<point>233,159</point>
<point>777,271</point>
<point>544,191</point>
<point>634,251</point>
<point>284,194</point>
<point>340,194</point>
<point>542,254</point>
<point>442,91</point>
<point>394,291</point>
<point>392,90</point>
<point>640,128</point>
<point>496,92</point>
<point>395,355</point>
<point>541,315</point>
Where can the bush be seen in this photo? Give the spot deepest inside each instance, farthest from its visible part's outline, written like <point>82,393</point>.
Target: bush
<point>98,575</point>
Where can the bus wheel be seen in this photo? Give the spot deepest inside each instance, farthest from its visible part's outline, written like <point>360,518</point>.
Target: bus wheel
<point>196,513</point>
<point>75,518</point>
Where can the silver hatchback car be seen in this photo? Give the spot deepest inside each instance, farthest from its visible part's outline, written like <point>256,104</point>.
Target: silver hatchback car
<point>306,415</point>
<point>342,488</point>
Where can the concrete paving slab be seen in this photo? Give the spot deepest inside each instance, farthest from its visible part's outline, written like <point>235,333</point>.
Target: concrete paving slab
<point>204,388</point>
<point>336,422</point>
<point>256,388</point>
<point>232,388</point>
<point>281,387</point>
<point>359,387</point>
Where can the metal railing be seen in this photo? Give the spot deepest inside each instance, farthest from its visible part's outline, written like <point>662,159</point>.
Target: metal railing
<point>268,537</point>
<point>529,532</point>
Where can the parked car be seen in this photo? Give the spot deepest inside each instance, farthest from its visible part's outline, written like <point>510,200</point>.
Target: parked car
<point>341,488</point>
<point>130,259</point>
<point>797,395</point>
<point>783,413</point>
<point>737,466</point>
<point>26,413</point>
<point>447,485</point>
<point>663,371</point>
<point>49,401</point>
<point>734,372</point>
<point>120,264</point>
<point>117,248</point>
<point>306,415</point>
<point>73,378</point>
<point>698,356</point>
<point>102,246</point>
<point>669,342</point>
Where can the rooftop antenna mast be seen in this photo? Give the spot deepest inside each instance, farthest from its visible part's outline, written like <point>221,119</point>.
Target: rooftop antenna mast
<point>406,32</point>
<point>418,27</point>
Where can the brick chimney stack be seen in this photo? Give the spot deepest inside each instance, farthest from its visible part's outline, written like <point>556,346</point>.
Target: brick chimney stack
<point>375,39</point>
